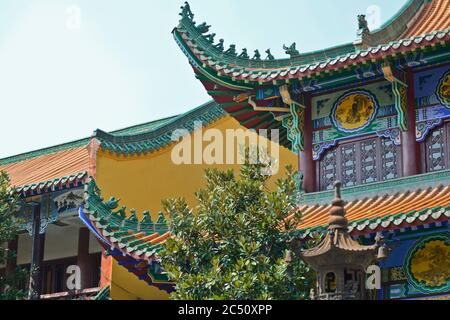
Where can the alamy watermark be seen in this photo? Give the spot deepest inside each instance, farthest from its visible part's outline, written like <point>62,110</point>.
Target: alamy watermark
<point>73,17</point>
<point>373,15</point>
<point>214,147</point>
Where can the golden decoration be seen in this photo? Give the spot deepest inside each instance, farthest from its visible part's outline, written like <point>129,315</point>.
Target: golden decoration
<point>354,111</point>
<point>431,264</point>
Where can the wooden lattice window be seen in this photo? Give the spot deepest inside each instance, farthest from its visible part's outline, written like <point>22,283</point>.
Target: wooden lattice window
<point>436,149</point>
<point>328,170</point>
<point>359,162</point>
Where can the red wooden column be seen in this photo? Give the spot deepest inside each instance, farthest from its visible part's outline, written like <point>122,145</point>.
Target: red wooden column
<point>306,164</point>
<point>410,147</point>
<point>83,260</point>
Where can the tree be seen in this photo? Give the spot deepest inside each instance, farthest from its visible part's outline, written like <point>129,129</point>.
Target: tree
<point>9,227</point>
<point>233,245</point>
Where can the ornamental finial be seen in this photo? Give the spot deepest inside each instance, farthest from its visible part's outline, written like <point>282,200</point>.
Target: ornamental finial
<point>337,212</point>
<point>337,189</point>
<point>186,11</point>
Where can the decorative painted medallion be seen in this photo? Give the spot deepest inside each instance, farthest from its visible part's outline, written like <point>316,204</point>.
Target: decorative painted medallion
<point>443,90</point>
<point>354,111</point>
<point>428,264</point>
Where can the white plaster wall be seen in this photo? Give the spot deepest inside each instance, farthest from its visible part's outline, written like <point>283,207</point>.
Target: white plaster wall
<point>60,242</point>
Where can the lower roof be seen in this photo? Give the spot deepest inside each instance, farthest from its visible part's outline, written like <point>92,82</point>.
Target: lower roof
<point>415,202</point>
<point>49,167</point>
<point>47,170</point>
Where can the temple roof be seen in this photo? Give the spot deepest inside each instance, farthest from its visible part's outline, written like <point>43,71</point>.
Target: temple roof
<point>148,141</point>
<point>131,241</point>
<point>389,205</point>
<point>434,15</point>
<point>51,168</point>
<point>248,88</point>
<point>430,22</point>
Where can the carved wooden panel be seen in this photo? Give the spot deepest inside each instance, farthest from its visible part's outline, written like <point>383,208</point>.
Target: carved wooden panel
<point>390,160</point>
<point>328,170</point>
<point>369,161</point>
<point>348,165</point>
<point>435,149</point>
<point>360,162</point>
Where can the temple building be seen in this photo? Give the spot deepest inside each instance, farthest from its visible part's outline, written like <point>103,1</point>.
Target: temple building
<point>373,114</point>
<point>134,163</point>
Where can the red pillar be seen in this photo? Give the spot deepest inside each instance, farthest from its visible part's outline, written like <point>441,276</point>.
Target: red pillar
<point>410,147</point>
<point>306,163</point>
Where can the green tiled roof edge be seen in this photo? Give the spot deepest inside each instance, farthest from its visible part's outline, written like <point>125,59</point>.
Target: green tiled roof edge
<point>390,30</point>
<point>397,25</point>
<point>161,136</point>
<point>51,183</point>
<point>384,187</point>
<point>103,294</point>
<point>126,133</point>
<point>306,58</point>
<point>115,224</point>
<point>44,151</point>
<point>386,221</point>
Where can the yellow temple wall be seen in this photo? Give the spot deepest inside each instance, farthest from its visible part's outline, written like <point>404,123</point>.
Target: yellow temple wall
<point>141,182</point>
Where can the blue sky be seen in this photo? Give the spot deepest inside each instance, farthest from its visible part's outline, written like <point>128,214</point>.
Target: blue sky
<point>115,64</point>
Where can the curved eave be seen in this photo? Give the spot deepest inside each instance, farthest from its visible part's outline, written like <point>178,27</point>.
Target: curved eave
<point>133,243</point>
<point>72,181</point>
<point>161,137</point>
<point>398,25</point>
<point>241,77</point>
<point>414,219</point>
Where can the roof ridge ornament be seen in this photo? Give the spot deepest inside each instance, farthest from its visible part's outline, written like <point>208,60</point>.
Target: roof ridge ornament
<point>363,26</point>
<point>244,54</point>
<point>231,50</point>
<point>291,50</point>
<point>210,37</point>
<point>257,55</point>
<point>270,57</point>
<point>203,28</point>
<point>219,46</point>
<point>186,11</point>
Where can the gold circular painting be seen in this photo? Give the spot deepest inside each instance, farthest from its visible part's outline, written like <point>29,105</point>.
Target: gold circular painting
<point>354,111</point>
<point>443,90</point>
<point>428,264</point>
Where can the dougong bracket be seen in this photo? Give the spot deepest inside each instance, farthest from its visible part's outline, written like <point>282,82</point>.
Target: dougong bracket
<point>399,88</point>
<point>295,123</point>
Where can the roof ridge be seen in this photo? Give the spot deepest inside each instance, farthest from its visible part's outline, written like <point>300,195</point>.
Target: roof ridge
<point>188,25</point>
<point>44,151</point>
<point>119,131</point>
<point>210,110</point>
